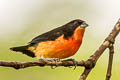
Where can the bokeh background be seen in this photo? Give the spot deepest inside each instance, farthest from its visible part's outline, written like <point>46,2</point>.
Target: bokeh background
<point>22,20</point>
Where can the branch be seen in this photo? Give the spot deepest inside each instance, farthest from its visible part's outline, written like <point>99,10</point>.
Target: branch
<point>107,42</point>
<point>111,52</point>
<point>41,63</point>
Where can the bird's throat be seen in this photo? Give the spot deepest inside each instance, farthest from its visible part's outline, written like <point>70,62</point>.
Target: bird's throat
<point>78,33</point>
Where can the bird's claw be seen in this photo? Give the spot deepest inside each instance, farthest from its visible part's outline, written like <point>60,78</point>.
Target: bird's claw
<point>56,64</point>
<point>51,59</point>
<point>74,62</point>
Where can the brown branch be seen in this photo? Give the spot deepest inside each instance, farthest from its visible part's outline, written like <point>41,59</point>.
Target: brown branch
<point>41,63</point>
<point>107,42</point>
<point>111,52</point>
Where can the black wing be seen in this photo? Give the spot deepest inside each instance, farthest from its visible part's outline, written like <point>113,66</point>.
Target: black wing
<point>48,36</point>
<point>66,30</point>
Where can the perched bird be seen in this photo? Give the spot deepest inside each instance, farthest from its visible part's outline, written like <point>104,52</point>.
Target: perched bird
<point>59,43</point>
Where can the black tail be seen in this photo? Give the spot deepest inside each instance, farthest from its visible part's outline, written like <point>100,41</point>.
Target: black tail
<point>24,50</point>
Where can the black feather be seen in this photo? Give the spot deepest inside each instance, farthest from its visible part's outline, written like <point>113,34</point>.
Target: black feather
<point>24,50</point>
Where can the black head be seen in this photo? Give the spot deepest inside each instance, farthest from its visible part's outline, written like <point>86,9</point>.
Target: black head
<point>72,25</point>
<point>68,29</point>
<point>78,22</point>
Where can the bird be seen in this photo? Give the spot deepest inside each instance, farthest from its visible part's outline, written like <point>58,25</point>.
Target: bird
<point>59,43</point>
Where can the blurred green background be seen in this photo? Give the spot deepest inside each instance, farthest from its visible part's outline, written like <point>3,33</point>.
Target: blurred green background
<point>22,20</point>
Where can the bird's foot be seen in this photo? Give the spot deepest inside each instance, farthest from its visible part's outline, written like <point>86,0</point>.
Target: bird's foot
<point>74,62</point>
<point>51,59</point>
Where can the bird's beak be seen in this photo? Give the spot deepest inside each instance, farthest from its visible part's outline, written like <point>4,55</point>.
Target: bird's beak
<point>84,25</point>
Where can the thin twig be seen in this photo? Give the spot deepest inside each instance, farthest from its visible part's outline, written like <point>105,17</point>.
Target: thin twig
<point>41,63</point>
<point>110,39</point>
<point>109,70</point>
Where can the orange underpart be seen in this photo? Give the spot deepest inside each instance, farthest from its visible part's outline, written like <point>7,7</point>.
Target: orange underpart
<point>61,47</point>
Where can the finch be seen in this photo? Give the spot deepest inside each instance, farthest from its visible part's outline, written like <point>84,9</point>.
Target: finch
<point>61,42</point>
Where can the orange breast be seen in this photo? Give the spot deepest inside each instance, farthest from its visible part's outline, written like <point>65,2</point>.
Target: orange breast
<point>60,48</point>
